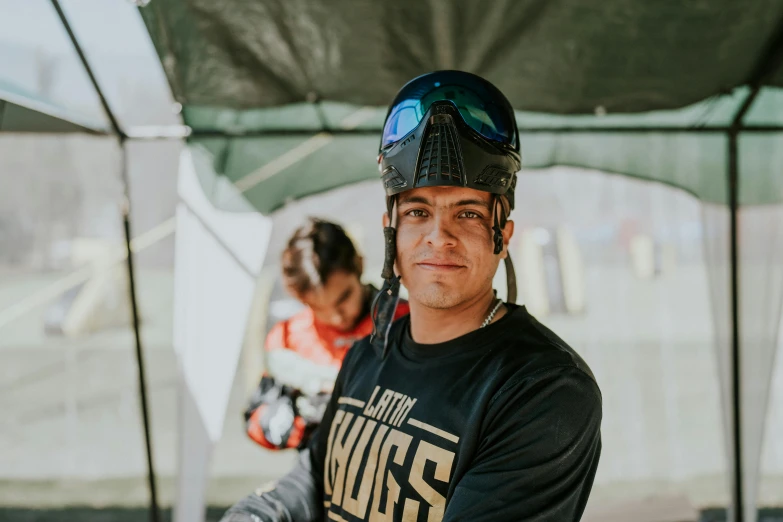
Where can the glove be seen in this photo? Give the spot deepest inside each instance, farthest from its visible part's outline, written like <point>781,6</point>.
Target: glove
<point>281,417</point>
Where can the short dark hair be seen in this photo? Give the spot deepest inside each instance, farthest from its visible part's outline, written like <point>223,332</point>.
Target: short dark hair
<point>315,251</point>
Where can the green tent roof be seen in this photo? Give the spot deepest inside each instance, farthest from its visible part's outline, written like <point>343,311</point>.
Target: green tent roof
<point>253,75</point>
<point>557,57</point>
<point>695,162</point>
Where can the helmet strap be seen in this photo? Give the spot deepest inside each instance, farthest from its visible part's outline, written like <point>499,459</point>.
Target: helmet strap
<point>511,280</point>
<point>497,237</point>
<point>384,305</point>
<point>511,276</point>
<point>390,240</point>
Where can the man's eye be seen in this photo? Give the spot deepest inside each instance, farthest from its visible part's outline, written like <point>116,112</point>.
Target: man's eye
<point>417,213</point>
<point>471,215</point>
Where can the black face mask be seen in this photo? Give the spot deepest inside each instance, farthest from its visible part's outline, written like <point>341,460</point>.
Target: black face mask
<point>445,151</point>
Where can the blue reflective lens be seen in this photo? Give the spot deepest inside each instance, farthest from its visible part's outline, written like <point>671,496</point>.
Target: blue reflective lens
<point>481,105</point>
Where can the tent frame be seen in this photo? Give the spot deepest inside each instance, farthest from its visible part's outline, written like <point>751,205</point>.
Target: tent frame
<point>769,64</point>
<point>122,138</point>
<point>276,133</point>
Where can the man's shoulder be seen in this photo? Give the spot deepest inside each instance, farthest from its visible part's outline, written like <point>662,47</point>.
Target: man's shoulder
<point>528,355</point>
<point>524,351</point>
<point>538,375</point>
<point>529,350</point>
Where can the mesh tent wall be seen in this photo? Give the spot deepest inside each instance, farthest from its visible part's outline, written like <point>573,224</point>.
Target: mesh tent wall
<point>98,293</point>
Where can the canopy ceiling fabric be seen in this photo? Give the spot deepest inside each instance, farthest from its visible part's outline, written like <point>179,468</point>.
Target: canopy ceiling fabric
<point>555,57</point>
<point>694,162</point>
<point>241,67</point>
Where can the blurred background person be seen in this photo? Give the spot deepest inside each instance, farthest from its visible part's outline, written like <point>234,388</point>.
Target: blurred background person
<point>322,269</point>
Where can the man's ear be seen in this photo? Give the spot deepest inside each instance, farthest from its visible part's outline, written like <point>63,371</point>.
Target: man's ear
<point>360,265</point>
<point>508,232</point>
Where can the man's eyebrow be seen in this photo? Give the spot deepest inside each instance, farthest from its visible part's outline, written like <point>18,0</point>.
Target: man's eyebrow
<point>468,202</point>
<point>414,199</point>
<point>461,203</point>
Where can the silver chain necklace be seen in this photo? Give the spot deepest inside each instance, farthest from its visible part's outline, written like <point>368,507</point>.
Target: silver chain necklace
<point>492,314</point>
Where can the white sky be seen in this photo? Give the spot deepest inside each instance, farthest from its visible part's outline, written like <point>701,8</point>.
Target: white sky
<point>105,26</point>
<point>116,43</point>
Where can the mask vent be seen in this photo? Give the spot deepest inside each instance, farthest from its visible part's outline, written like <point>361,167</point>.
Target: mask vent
<point>441,159</point>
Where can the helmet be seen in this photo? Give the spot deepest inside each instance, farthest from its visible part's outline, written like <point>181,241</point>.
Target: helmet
<point>448,128</point>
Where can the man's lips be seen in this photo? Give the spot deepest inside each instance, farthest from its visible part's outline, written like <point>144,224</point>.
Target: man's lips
<point>439,265</point>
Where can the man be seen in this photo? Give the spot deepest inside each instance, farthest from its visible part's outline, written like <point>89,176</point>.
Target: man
<point>322,269</point>
<point>469,409</point>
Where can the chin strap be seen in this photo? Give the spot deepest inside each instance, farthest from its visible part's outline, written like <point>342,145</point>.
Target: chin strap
<point>382,312</point>
<point>384,305</point>
<point>511,280</point>
<point>497,239</point>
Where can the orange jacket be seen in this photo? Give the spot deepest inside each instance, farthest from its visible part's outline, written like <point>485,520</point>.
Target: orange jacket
<point>275,418</point>
<point>319,343</point>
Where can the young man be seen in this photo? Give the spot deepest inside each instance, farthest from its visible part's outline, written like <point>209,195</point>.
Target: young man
<point>469,409</point>
<point>322,269</point>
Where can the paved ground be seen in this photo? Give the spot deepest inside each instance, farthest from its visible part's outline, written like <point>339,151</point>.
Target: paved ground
<point>93,515</point>
<point>214,514</point>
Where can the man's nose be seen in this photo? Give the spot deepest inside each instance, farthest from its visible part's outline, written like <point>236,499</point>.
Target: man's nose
<point>441,234</point>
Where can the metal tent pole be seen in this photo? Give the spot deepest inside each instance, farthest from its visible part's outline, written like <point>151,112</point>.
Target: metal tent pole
<point>733,177</point>
<point>576,129</point>
<point>122,138</point>
<point>767,65</point>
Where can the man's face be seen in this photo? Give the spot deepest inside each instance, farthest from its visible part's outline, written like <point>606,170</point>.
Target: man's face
<point>445,252</point>
<point>338,302</point>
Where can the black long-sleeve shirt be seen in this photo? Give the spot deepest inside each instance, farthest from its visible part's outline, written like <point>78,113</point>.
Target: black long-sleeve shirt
<point>501,424</point>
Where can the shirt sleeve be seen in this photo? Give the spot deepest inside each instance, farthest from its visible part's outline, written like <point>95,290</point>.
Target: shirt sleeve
<point>539,452</point>
<point>298,496</point>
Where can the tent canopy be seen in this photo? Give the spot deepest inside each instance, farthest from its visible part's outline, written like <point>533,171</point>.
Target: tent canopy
<point>255,77</point>
<point>555,57</point>
<point>692,161</point>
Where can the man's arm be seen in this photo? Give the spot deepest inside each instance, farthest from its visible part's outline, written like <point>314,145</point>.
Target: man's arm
<point>293,498</point>
<point>298,496</point>
<point>539,453</point>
